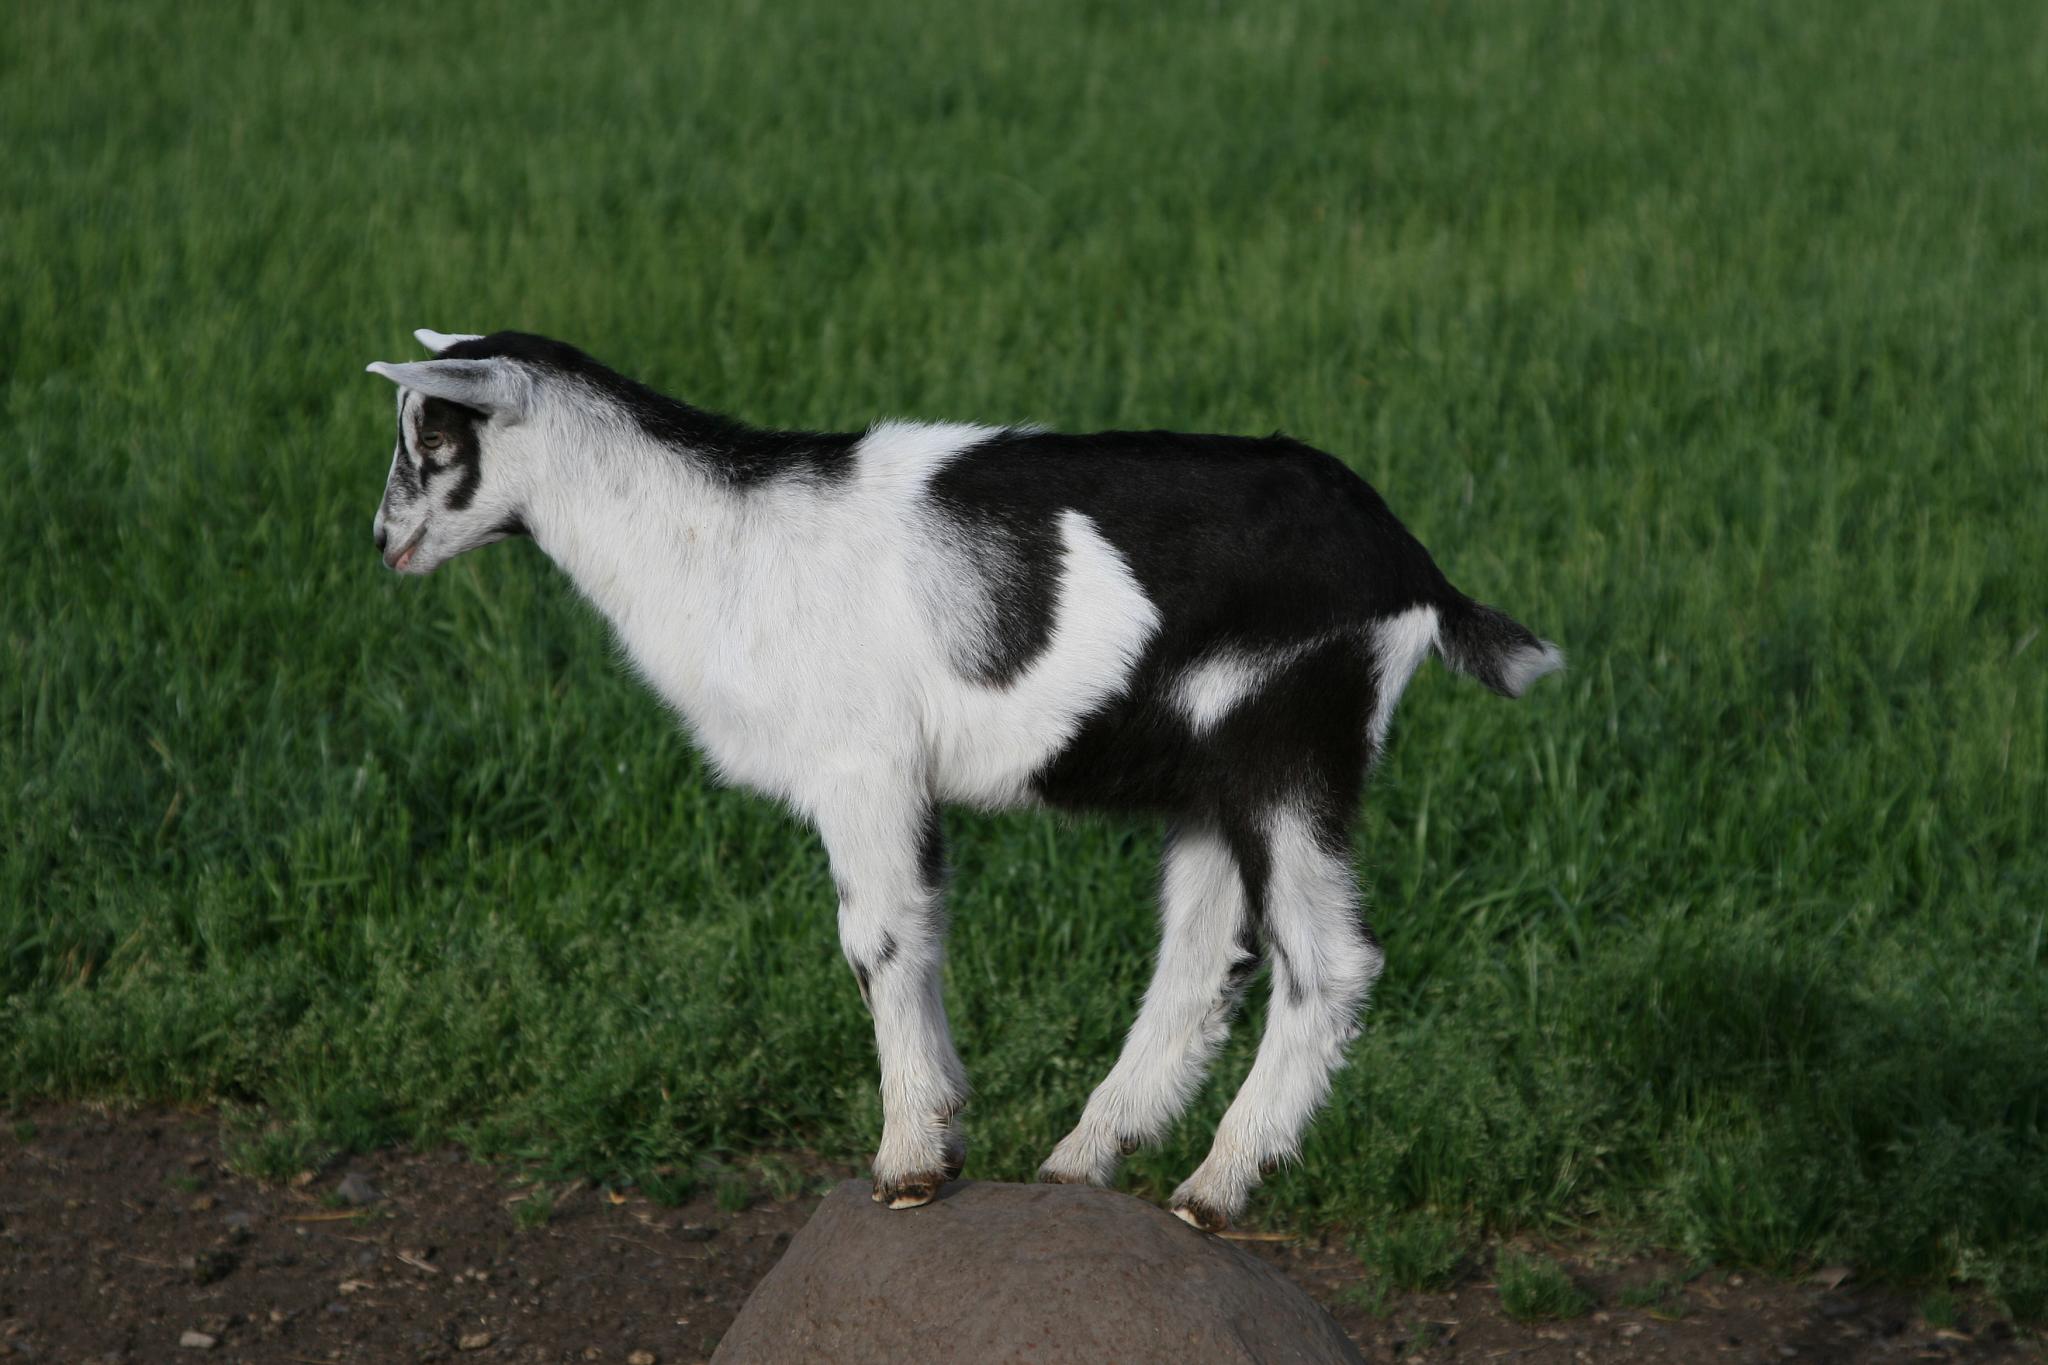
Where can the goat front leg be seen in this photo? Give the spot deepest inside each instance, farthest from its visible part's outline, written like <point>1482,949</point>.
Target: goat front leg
<point>888,859</point>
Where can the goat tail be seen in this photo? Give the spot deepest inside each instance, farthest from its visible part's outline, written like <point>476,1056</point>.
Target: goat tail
<point>1492,646</point>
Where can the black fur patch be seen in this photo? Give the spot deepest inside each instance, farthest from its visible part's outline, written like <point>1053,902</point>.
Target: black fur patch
<point>931,851</point>
<point>460,452</point>
<point>1020,562</point>
<point>1249,547</point>
<point>1238,540</point>
<point>1255,869</point>
<point>864,972</point>
<point>738,453</point>
<point>1284,976</point>
<point>1244,545</point>
<point>1250,956</point>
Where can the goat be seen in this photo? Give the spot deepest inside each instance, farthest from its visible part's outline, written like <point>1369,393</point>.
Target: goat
<point>867,626</point>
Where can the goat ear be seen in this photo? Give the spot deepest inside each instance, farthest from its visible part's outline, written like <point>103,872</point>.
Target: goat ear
<point>494,386</point>
<point>438,342</point>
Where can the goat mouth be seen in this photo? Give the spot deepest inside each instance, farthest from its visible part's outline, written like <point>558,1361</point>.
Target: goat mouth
<point>404,554</point>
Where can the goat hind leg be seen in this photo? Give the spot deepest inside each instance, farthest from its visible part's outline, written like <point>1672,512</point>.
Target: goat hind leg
<point>1324,964</point>
<point>1206,953</point>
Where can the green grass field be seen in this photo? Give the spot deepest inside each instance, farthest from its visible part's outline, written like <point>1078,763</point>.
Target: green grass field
<point>1708,340</point>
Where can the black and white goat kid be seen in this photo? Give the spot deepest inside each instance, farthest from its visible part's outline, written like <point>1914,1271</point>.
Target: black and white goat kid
<point>1214,629</point>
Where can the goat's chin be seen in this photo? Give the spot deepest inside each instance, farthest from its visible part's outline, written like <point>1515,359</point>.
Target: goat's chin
<point>424,562</point>
<point>427,558</point>
<point>416,560</point>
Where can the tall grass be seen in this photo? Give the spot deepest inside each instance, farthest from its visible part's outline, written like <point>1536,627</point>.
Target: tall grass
<point>1707,339</point>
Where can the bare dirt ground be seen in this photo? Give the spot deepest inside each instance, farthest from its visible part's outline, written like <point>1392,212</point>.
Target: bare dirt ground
<point>126,1236</point>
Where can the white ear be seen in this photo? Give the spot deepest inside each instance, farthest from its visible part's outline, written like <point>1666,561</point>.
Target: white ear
<point>494,386</point>
<point>438,342</point>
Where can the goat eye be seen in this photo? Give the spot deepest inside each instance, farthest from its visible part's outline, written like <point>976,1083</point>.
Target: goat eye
<point>432,440</point>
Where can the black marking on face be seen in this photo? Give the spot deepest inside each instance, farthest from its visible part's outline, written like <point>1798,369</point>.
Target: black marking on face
<point>511,526</point>
<point>887,953</point>
<point>447,438</point>
<point>733,451</point>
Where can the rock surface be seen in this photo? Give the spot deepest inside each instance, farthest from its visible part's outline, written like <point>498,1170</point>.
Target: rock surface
<point>990,1272</point>
<point>356,1191</point>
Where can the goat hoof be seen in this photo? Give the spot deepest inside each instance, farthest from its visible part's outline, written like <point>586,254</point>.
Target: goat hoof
<point>956,1162</point>
<point>1197,1214</point>
<point>910,1191</point>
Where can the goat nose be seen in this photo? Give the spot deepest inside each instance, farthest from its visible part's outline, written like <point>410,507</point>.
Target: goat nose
<point>382,536</point>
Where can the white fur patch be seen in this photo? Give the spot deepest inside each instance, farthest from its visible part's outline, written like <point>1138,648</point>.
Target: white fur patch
<point>1210,690</point>
<point>901,457</point>
<point>794,627</point>
<point>1400,643</point>
<point>1213,687</point>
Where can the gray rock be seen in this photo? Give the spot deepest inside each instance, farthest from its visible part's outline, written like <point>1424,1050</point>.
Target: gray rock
<point>991,1272</point>
<point>355,1190</point>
